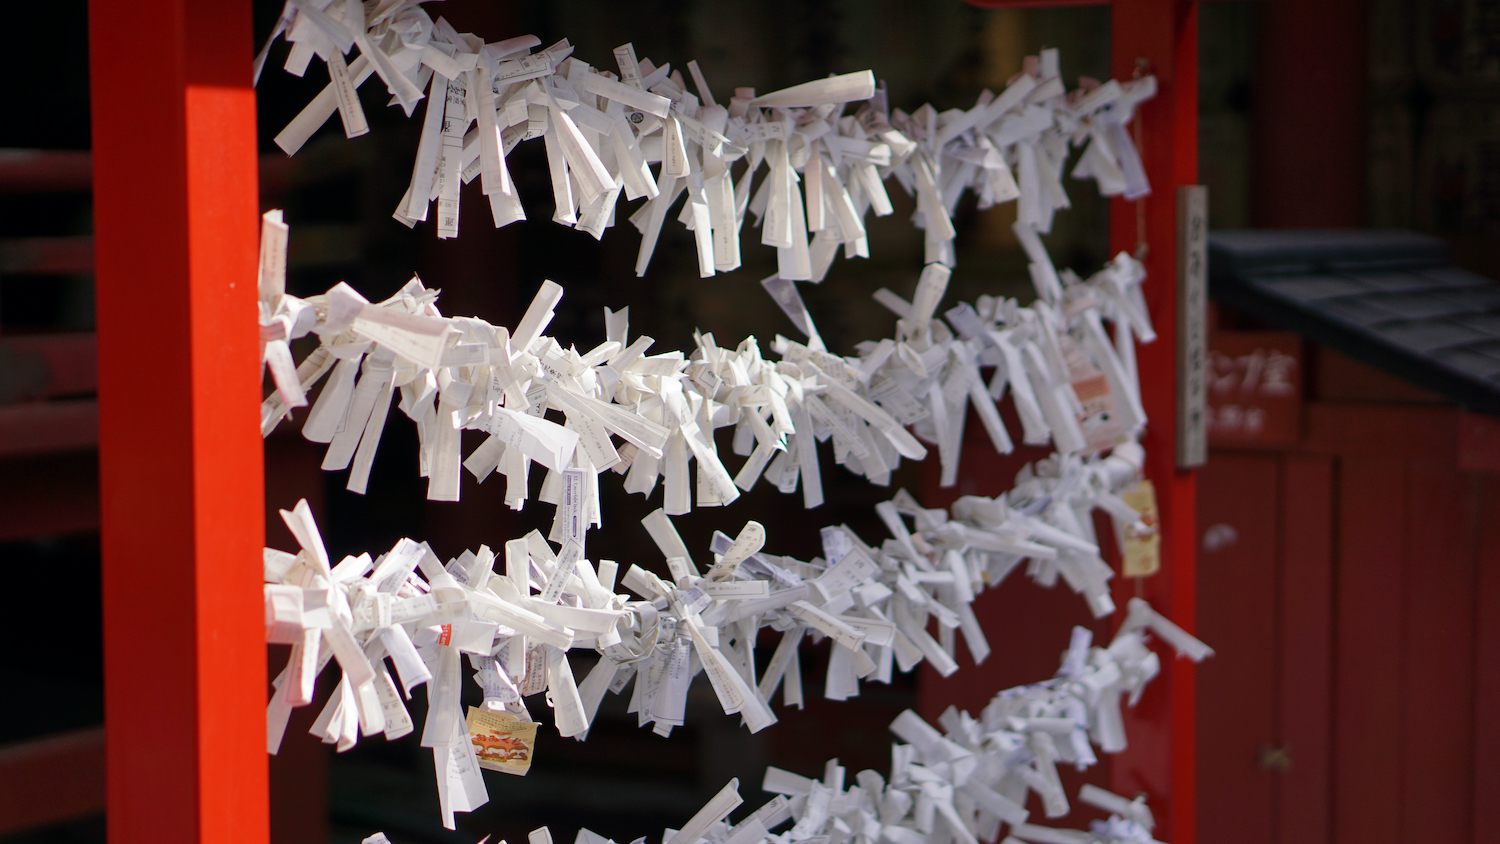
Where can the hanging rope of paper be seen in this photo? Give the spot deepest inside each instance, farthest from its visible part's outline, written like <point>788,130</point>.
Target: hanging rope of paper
<point>933,572</point>
<point>875,604</point>
<point>969,782</point>
<point>1072,384</point>
<point>825,170</point>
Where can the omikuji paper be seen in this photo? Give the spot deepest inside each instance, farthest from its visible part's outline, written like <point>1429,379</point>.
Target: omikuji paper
<point>517,627</point>
<point>827,145</point>
<point>806,165</point>
<point>967,778</point>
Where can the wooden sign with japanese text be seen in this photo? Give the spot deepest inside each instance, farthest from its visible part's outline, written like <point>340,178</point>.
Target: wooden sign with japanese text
<point>1254,388</point>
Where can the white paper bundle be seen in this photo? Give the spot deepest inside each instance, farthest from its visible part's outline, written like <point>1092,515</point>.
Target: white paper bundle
<point>968,779</point>
<point>648,417</point>
<point>824,169</point>
<point>516,626</point>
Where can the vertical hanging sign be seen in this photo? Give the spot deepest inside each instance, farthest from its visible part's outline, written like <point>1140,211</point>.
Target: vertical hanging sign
<point>1192,325</point>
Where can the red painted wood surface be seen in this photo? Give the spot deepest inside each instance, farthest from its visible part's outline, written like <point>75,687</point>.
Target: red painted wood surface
<point>1305,642</point>
<point>49,495</point>
<point>1478,443</point>
<point>1161,37</point>
<point>63,255</point>
<point>180,454</point>
<point>1033,4</point>
<point>1486,770</point>
<point>1237,523</point>
<point>38,428</point>
<point>1387,549</point>
<point>1026,626</point>
<point>1308,102</point>
<point>1438,640</point>
<point>45,171</point>
<point>57,364</point>
<point>1382,431</point>
<point>1367,695</point>
<point>1254,389</point>
<point>299,772</point>
<point>49,780</point>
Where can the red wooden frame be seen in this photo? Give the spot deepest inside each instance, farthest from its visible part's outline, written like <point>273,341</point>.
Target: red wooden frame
<point>181,470</point>
<point>175,201</point>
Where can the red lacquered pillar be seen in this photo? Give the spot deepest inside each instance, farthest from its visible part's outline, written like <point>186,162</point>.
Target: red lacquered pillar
<point>180,455</point>
<point>1161,758</point>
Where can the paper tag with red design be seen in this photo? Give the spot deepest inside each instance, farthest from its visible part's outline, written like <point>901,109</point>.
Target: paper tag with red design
<point>502,742</point>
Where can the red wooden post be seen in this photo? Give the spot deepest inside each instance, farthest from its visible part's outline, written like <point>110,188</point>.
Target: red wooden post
<point>1161,758</point>
<point>1160,37</point>
<point>180,453</point>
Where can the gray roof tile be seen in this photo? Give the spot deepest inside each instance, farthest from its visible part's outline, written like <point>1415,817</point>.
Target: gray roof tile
<point>1429,336</point>
<point>1396,282</point>
<point>1471,299</point>
<point>1354,310</point>
<point>1310,288</point>
<point>1470,361</point>
<point>1417,305</point>
<point>1390,299</point>
<point>1489,323</point>
<point>1455,277</point>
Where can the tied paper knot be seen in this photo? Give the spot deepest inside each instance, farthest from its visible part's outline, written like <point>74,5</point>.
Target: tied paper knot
<point>873,602</point>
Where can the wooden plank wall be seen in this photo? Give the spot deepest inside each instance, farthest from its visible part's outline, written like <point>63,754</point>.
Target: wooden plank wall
<point>1237,708</point>
<point>1356,616</point>
<point>1487,658</point>
<point>1305,612</point>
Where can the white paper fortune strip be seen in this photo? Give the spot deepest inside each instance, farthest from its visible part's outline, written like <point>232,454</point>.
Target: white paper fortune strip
<point>970,780</point>
<point>825,169</point>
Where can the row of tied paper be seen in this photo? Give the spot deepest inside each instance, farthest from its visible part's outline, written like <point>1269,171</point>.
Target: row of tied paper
<point>825,170</point>
<point>648,416</point>
<point>517,625</point>
<point>969,782</point>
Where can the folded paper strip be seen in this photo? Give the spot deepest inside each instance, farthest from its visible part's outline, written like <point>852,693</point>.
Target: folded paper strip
<point>646,417</point>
